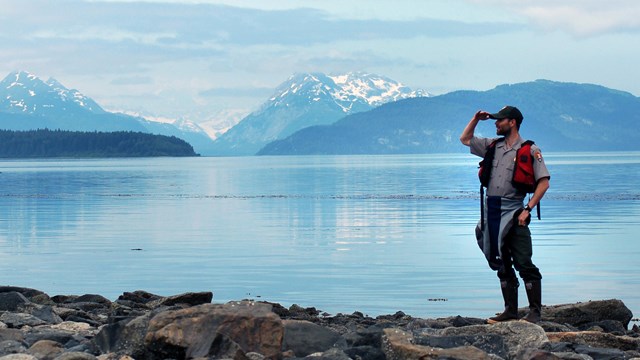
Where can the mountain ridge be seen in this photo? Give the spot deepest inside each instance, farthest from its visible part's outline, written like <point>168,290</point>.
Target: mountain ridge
<point>308,99</point>
<point>560,116</point>
<point>29,103</point>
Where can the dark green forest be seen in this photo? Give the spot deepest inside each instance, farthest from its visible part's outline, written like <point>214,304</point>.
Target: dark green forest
<point>73,144</point>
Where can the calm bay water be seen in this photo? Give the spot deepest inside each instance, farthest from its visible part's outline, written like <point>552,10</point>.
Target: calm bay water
<point>375,234</point>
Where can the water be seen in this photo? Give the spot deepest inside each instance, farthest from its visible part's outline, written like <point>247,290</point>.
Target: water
<point>376,234</point>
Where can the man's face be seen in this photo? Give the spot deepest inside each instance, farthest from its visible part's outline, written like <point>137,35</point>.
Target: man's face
<point>503,127</point>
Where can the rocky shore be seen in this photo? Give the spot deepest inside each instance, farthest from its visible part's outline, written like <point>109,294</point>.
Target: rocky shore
<point>141,325</point>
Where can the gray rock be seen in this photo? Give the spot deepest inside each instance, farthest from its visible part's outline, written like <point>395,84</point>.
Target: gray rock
<point>305,338</point>
<point>126,337</point>
<point>517,335</point>
<point>331,354</point>
<point>11,334</point>
<point>42,312</point>
<point>59,336</point>
<point>365,352</point>
<point>19,357</point>
<point>139,297</point>
<point>75,355</point>
<point>12,300</point>
<point>489,343</point>
<point>18,320</point>
<point>399,345</point>
<point>11,347</point>
<point>600,353</point>
<point>92,298</point>
<point>572,356</point>
<point>588,312</point>
<point>597,339</point>
<point>27,292</point>
<point>191,332</point>
<point>190,299</point>
<point>46,349</point>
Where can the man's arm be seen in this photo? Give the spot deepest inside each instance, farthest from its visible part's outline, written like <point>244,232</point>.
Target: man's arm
<point>467,133</point>
<point>541,189</point>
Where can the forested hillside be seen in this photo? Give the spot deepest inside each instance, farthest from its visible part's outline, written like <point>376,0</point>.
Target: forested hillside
<point>61,143</point>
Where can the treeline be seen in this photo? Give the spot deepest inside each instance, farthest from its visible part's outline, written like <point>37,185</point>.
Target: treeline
<point>62,143</point>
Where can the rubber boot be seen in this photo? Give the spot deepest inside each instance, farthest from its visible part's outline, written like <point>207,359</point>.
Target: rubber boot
<point>534,294</point>
<point>510,295</point>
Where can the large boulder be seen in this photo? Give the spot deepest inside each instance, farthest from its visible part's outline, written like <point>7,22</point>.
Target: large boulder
<point>399,345</point>
<point>518,336</point>
<point>197,331</point>
<point>305,338</point>
<point>584,313</point>
<point>190,299</point>
<point>597,339</point>
<point>12,300</point>
<point>46,349</point>
<point>124,337</point>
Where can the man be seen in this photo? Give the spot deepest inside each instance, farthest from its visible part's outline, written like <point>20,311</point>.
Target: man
<point>503,233</point>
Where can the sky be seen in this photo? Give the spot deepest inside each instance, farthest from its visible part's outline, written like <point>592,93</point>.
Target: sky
<point>208,61</point>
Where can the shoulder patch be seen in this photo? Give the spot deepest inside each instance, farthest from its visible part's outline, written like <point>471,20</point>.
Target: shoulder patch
<point>538,155</point>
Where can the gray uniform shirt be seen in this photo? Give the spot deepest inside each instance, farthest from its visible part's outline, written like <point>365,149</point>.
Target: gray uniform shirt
<point>503,165</point>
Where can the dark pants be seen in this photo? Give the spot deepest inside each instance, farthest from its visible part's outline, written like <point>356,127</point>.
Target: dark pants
<point>517,252</point>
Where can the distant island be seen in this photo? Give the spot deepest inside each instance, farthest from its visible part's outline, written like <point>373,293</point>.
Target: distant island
<point>45,143</point>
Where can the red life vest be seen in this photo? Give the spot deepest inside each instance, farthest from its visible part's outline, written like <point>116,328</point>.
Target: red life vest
<point>523,177</point>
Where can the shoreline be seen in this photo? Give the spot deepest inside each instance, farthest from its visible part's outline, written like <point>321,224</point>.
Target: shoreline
<point>142,325</point>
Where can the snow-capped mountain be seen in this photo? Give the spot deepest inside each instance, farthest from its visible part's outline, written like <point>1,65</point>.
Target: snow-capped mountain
<point>25,93</point>
<point>306,100</point>
<point>558,116</point>
<point>28,103</point>
<point>350,91</point>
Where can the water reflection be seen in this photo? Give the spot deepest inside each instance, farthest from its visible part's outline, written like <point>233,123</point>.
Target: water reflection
<point>370,233</point>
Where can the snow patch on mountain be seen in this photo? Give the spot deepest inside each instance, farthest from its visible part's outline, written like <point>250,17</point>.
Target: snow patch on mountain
<point>346,90</point>
<point>26,93</point>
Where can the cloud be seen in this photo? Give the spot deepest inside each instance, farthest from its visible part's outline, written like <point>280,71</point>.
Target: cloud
<point>84,37</point>
<point>237,92</point>
<point>205,25</point>
<point>132,80</point>
<point>583,18</point>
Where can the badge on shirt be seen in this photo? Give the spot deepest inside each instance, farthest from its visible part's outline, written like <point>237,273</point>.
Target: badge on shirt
<point>538,156</point>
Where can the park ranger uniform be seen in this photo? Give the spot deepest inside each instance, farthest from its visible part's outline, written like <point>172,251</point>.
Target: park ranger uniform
<point>505,243</point>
